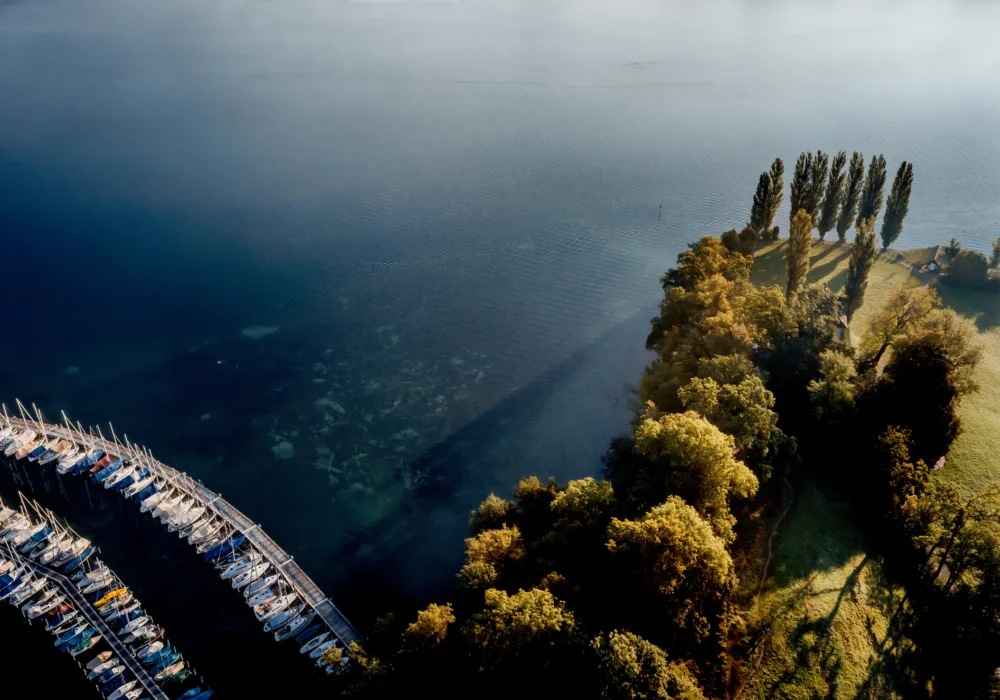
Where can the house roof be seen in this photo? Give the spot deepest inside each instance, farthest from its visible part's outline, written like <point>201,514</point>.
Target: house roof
<point>936,254</point>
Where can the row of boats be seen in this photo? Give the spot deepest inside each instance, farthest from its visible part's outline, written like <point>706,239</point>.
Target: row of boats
<point>28,580</point>
<point>136,476</point>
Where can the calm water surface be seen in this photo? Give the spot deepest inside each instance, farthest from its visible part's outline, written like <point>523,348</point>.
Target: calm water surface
<point>358,264</point>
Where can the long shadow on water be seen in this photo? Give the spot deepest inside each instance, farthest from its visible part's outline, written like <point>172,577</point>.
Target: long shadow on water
<point>463,468</point>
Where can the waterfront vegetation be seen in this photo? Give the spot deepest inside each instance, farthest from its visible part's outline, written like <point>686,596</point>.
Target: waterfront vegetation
<point>778,521</point>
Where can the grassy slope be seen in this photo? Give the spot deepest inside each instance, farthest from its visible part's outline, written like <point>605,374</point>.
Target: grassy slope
<point>831,615</point>
<point>974,459</point>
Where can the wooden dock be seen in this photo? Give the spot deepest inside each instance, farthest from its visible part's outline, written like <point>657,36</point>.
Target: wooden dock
<point>282,562</point>
<point>122,652</point>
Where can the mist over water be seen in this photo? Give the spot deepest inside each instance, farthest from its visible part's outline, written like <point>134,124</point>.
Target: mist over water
<point>358,264</point>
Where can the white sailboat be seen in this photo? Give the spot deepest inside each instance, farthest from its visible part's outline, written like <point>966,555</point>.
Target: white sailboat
<point>251,575</point>
<point>120,692</point>
<point>241,565</point>
<point>293,626</point>
<point>154,501</point>
<point>268,610</point>
<point>313,643</point>
<point>182,520</point>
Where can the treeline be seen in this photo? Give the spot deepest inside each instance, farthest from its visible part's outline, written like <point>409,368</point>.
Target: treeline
<point>830,194</point>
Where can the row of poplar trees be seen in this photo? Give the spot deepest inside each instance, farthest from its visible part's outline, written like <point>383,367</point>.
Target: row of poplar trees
<point>824,195</point>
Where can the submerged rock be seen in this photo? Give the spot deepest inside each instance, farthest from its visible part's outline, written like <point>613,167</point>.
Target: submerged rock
<point>283,450</point>
<point>258,332</point>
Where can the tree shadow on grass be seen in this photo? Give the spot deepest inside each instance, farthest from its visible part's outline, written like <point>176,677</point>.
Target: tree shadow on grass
<point>983,306</point>
<point>819,273</point>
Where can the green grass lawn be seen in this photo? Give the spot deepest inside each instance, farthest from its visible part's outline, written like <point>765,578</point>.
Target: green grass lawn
<point>837,629</point>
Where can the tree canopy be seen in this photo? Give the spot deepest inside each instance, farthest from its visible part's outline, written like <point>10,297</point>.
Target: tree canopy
<point>859,266</point>
<point>852,195</point>
<point>898,204</point>
<point>797,256</point>
<point>834,196</point>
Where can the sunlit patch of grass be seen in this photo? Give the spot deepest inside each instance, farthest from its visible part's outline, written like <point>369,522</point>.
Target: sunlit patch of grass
<point>835,628</point>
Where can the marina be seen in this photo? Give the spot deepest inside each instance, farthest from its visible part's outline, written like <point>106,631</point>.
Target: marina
<point>247,558</point>
<point>82,609</point>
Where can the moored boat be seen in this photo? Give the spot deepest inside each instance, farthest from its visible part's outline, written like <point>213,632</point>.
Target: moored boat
<point>84,646</point>
<point>251,575</point>
<point>280,619</point>
<point>101,658</point>
<point>308,634</point>
<point>314,642</point>
<point>40,609</point>
<point>185,518</point>
<point>78,561</point>
<point>225,548</point>
<point>120,693</point>
<point>241,565</point>
<point>292,627</point>
<point>149,649</point>
<point>170,671</point>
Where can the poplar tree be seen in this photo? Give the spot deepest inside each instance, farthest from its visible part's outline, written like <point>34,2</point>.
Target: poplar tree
<point>797,256</point>
<point>871,196</point>
<point>995,257</point>
<point>862,259</point>
<point>761,206</point>
<point>834,194</point>
<point>897,205</point>
<point>817,183</point>
<point>852,193</point>
<point>777,176</point>
<point>799,195</point>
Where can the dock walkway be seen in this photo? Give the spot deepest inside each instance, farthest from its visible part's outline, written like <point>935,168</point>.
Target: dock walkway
<point>80,603</point>
<point>306,589</point>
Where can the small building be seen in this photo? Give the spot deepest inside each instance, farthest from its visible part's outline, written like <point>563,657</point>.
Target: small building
<point>841,332</point>
<point>934,259</point>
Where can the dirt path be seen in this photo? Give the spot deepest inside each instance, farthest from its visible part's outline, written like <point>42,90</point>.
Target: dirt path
<point>788,496</point>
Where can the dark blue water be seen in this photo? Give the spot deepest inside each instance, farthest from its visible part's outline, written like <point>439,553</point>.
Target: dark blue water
<point>358,264</point>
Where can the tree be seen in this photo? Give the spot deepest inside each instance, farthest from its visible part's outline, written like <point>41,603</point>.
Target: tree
<point>760,210</point>
<point>860,265</point>
<point>673,556</point>
<point>832,395</point>
<point>903,480</point>
<point>488,553</point>
<point>905,308</point>
<point>817,184</point>
<point>897,205</point>
<point>917,392</point>
<point>797,256</point>
<point>968,268</point>
<point>995,257</point>
<point>801,180</point>
<point>584,503</point>
<point>691,457</point>
<point>704,259</point>
<point>776,177</point>
<point>430,629</point>
<point>527,624</point>
<point>953,248</point>
<point>959,341</point>
<point>741,409</point>
<point>871,195</point>
<point>491,514</point>
<point>631,668</point>
<point>852,193</point>
<point>834,194</point>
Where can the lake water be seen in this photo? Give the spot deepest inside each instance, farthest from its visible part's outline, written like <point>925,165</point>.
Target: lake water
<point>358,264</point>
